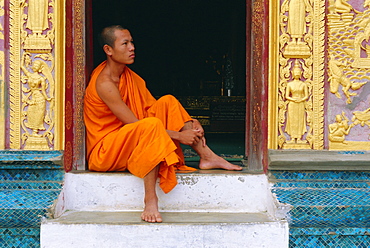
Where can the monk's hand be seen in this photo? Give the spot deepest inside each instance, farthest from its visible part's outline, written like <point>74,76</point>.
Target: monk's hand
<point>198,126</point>
<point>190,137</point>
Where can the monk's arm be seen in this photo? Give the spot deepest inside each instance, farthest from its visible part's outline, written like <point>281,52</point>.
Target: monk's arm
<point>109,93</point>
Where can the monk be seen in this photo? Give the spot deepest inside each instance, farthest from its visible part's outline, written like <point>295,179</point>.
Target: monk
<point>128,129</point>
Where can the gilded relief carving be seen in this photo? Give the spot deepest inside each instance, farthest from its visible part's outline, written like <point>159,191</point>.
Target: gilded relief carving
<point>297,33</point>
<point>37,80</point>
<point>342,126</point>
<point>32,74</point>
<point>337,77</point>
<point>339,129</point>
<point>300,89</point>
<point>297,95</point>
<point>37,21</point>
<point>349,74</point>
<point>361,118</point>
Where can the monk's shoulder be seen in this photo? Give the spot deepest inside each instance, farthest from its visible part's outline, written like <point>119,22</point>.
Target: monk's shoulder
<point>104,79</point>
<point>105,82</point>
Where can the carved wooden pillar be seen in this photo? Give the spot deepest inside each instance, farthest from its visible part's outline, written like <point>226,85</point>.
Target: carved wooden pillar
<point>257,81</point>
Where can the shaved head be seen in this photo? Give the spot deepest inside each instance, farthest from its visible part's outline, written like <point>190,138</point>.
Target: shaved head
<point>107,36</point>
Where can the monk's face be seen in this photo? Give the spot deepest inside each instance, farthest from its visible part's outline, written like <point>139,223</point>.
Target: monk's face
<point>123,50</point>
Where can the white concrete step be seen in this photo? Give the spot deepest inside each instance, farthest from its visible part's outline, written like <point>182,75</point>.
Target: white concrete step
<point>179,229</point>
<point>200,191</point>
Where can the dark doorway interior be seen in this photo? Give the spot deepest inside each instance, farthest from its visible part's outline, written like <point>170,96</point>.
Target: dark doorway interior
<point>192,49</point>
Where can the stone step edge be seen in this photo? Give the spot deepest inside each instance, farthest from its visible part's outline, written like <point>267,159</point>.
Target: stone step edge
<point>134,217</point>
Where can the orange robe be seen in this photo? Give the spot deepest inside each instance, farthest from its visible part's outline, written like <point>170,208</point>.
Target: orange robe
<point>137,147</point>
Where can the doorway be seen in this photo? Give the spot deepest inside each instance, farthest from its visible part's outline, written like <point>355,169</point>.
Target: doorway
<point>194,50</point>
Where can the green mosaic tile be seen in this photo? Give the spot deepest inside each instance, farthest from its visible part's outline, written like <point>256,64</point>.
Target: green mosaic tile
<point>320,175</point>
<point>18,185</point>
<point>328,208</point>
<point>328,241</point>
<point>31,175</point>
<point>19,237</point>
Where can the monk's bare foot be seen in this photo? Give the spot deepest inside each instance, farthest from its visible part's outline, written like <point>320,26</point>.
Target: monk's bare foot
<point>151,213</point>
<point>213,161</point>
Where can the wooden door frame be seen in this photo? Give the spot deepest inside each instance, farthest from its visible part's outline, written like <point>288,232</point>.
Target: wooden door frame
<point>79,65</point>
<point>257,43</point>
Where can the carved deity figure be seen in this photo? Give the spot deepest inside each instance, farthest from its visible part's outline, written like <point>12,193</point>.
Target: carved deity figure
<point>297,95</point>
<point>339,129</point>
<point>37,97</point>
<point>37,16</point>
<point>337,77</point>
<point>297,19</point>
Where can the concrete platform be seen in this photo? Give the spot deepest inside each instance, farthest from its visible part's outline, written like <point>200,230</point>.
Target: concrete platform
<point>212,208</point>
<point>200,191</point>
<point>179,229</point>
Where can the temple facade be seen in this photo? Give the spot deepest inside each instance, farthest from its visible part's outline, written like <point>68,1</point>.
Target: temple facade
<point>307,93</point>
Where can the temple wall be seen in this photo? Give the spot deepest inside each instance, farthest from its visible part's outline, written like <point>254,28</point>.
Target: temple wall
<point>320,67</point>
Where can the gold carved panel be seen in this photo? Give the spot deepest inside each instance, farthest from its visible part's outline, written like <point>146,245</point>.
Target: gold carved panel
<point>296,84</point>
<point>36,74</point>
<point>319,95</point>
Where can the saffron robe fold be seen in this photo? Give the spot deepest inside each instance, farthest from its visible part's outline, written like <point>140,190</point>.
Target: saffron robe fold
<point>140,146</point>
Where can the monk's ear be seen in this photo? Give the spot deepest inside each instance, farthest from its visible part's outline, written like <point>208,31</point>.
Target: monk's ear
<point>107,49</point>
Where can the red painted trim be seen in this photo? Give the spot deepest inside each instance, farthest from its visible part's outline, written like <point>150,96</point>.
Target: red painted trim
<point>69,92</point>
